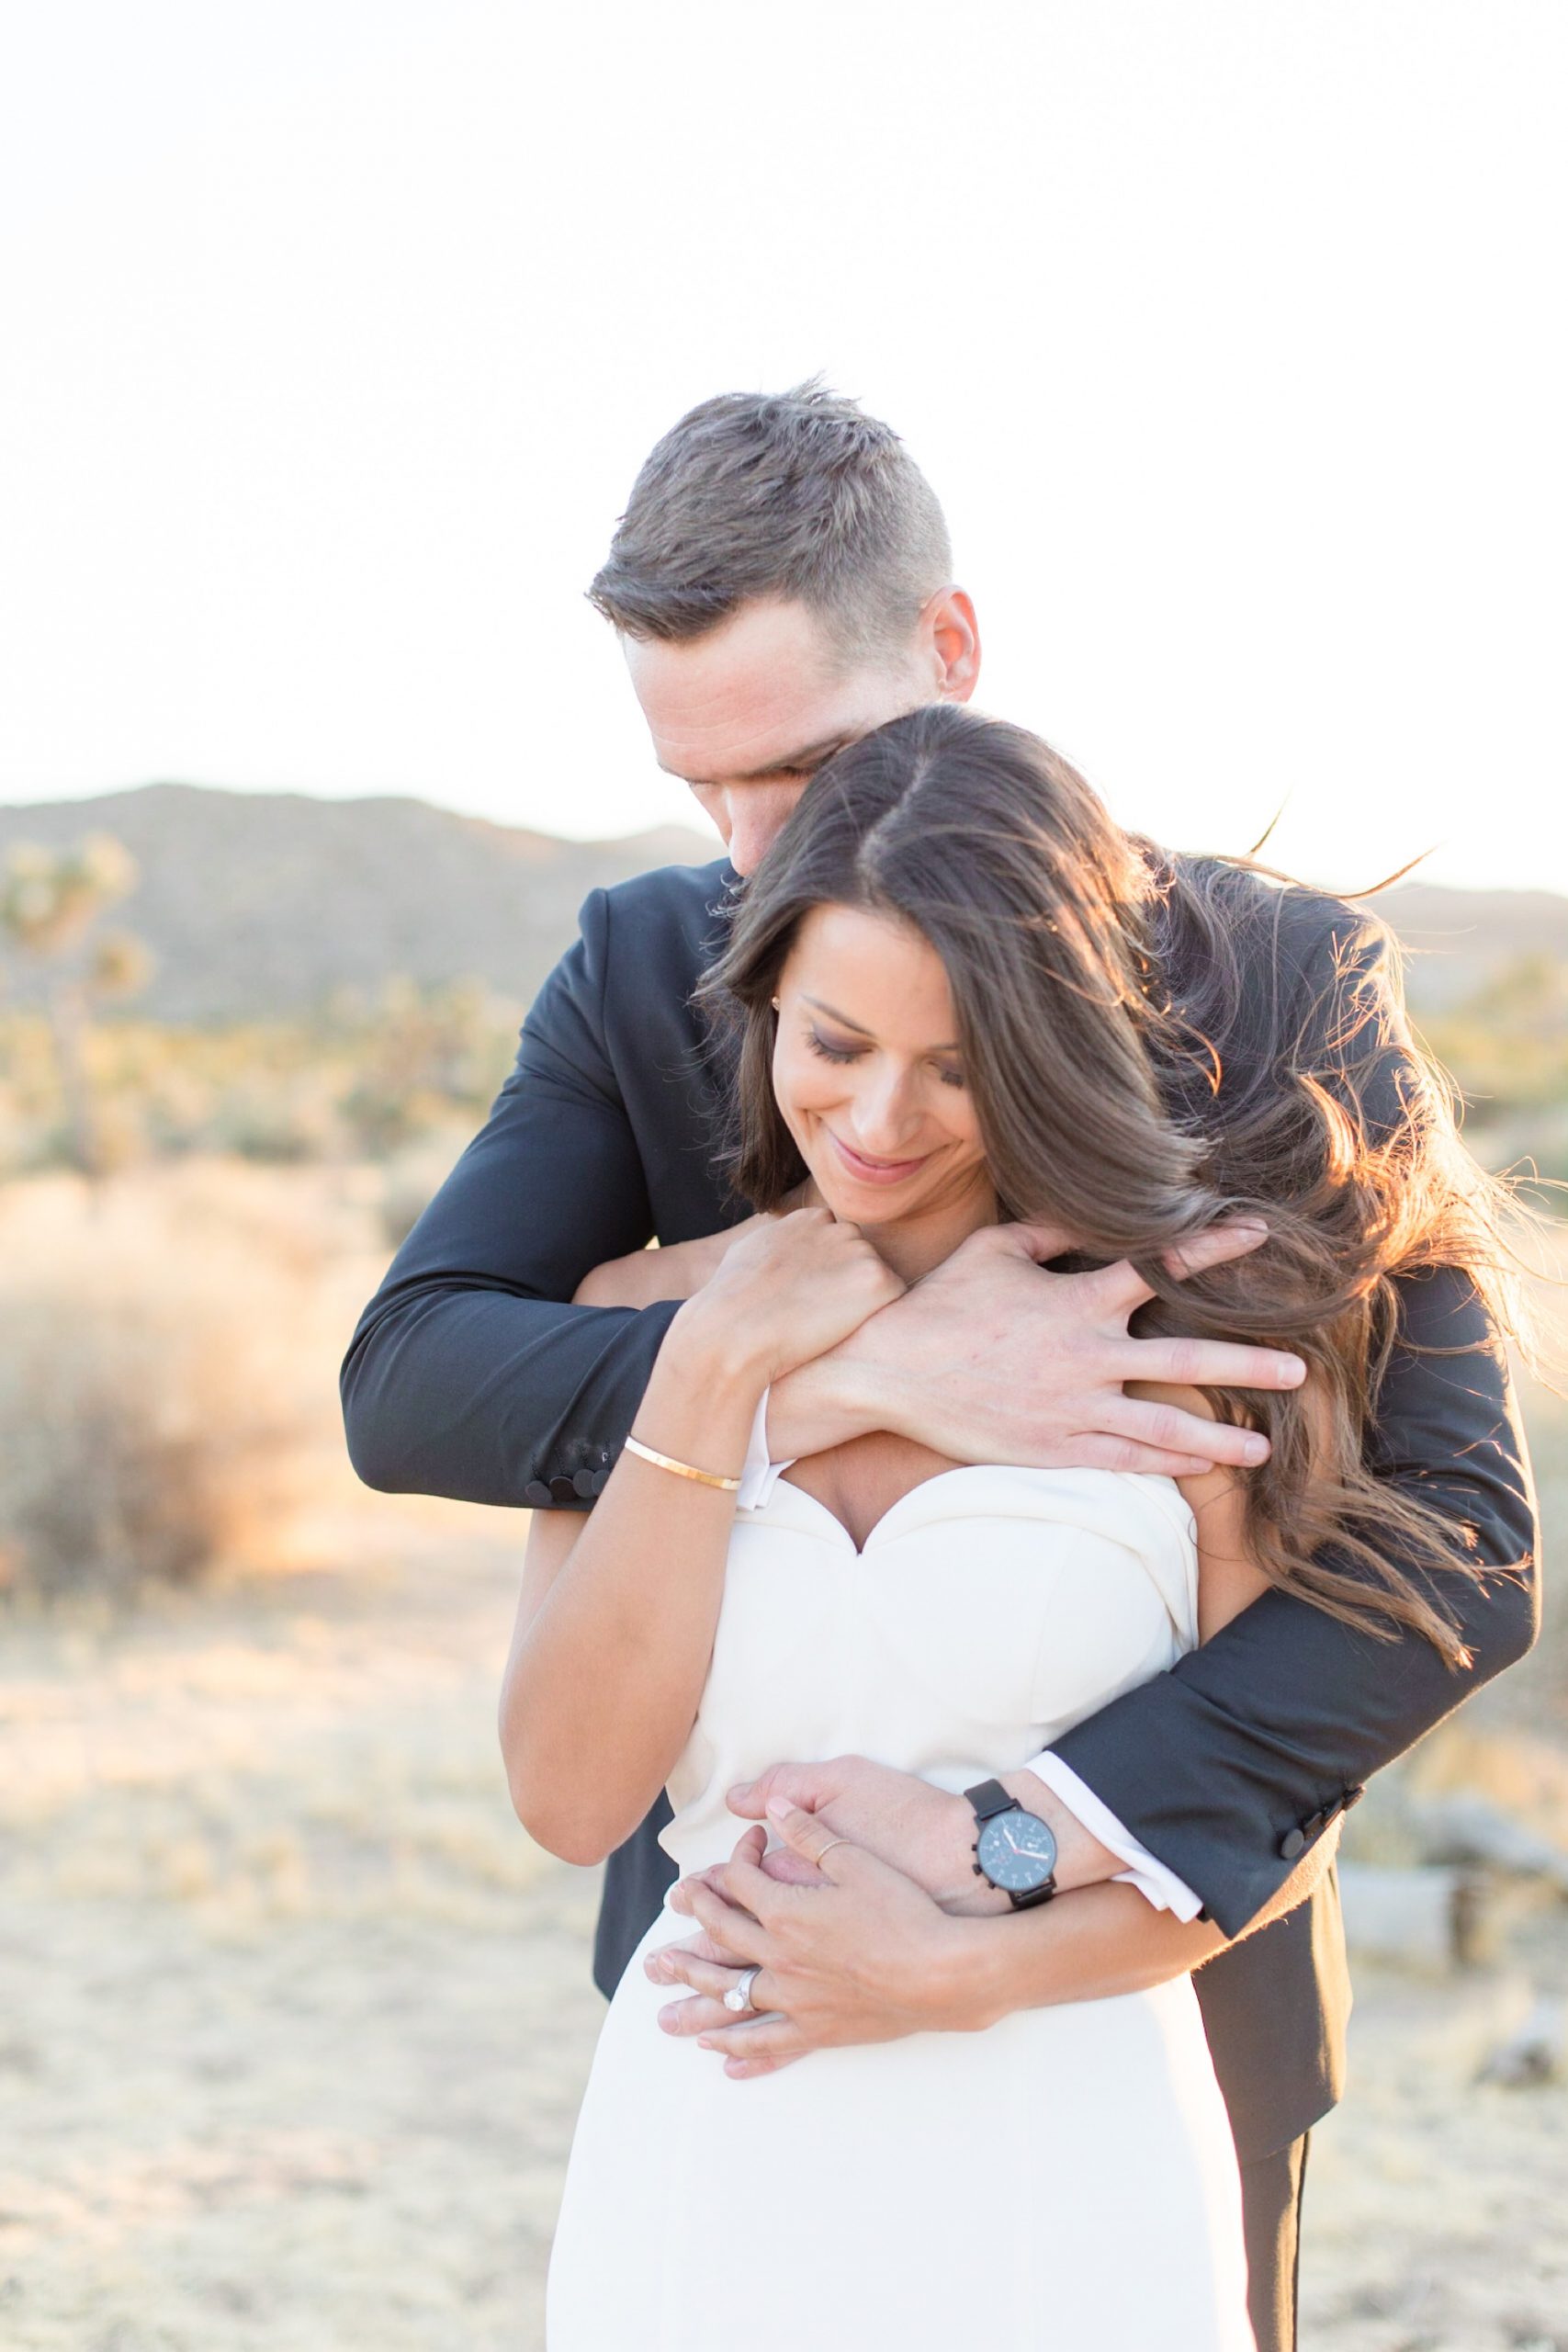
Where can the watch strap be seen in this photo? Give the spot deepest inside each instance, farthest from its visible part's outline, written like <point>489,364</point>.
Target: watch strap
<point>990,1798</point>
<point>1035,1894</point>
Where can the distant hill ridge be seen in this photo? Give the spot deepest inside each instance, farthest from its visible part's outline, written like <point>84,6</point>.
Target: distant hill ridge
<point>262,903</point>
<point>259,903</point>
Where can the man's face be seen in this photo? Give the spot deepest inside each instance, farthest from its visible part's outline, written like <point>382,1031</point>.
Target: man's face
<point>747,714</point>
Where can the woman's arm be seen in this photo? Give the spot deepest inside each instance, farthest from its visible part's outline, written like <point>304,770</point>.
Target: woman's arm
<point>678,1270</point>
<point>647,1276</point>
<point>615,1619</point>
<point>610,1646</point>
<point>1229,1579</point>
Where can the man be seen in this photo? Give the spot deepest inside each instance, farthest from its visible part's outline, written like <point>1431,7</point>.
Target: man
<point>781,583</point>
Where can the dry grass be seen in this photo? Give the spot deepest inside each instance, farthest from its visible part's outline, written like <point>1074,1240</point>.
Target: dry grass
<point>165,1388</point>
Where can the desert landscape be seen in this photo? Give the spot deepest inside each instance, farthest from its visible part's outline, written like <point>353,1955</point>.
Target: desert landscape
<point>295,2016</point>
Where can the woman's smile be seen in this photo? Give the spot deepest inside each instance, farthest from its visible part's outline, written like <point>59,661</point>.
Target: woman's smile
<point>868,1076</point>
<point>867,1170</point>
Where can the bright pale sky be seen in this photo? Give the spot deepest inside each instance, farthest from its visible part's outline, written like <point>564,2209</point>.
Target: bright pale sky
<point>1230,335</point>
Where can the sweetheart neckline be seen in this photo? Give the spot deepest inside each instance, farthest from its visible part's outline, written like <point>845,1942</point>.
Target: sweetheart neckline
<point>937,1479</point>
<point>1054,1471</point>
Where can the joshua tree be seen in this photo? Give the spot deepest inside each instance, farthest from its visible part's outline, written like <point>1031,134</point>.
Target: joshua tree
<point>50,901</point>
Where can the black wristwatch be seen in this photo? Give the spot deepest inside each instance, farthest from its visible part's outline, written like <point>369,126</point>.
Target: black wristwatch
<point>1015,1852</point>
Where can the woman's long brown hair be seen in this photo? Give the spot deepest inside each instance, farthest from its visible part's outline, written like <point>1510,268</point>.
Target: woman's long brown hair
<point>1282,1083</point>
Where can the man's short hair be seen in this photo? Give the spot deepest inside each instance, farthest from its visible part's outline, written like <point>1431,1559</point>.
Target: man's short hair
<point>796,494</point>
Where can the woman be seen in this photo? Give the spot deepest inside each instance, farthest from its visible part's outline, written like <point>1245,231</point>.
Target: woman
<point>946,980</point>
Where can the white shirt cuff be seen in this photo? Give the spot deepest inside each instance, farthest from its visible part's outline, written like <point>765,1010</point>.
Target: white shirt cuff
<point>759,1477</point>
<point>1163,1888</point>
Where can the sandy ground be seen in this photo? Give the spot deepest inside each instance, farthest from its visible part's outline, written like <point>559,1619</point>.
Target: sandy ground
<point>295,2018</point>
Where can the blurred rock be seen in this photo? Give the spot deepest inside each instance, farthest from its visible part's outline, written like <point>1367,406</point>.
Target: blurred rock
<point>1471,1831</point>
<point>1432,1919</point>
<point>1537,2053</point>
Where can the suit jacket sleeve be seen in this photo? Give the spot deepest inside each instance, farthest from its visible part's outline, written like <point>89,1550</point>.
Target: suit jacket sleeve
<point>1227,1767</point>
<point>467,1374</point>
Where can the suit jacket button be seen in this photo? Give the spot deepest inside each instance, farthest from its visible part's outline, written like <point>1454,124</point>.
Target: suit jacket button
<point>563,1490</point>
<point>587,1481</point>
<point>1291,1843</point>
<point>537,1494</point>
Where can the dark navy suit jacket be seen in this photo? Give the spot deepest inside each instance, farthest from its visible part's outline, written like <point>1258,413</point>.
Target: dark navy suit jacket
<point>468,1377</point>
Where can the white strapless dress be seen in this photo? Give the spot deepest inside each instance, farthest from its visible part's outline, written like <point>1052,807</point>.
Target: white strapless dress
<point>1063,2182</point>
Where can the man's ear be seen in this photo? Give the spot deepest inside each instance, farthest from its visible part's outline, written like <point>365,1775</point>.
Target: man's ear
<point>950,639</point>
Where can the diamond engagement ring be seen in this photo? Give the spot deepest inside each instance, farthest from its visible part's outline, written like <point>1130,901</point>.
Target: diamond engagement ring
<point>738,2000</point>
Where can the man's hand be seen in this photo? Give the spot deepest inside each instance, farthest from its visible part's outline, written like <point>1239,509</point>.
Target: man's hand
<point>992,1359</point>
<point>919,1830</point>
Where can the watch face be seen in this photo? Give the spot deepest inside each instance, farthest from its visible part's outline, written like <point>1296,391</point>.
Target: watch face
<point>1016,1851</point>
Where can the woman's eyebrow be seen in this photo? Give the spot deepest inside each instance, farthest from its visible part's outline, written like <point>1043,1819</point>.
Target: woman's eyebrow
<point>845,1023</point>
<point>834,1014</point>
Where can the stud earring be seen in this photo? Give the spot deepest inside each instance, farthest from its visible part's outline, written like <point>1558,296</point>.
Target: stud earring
<point>773,1001</point>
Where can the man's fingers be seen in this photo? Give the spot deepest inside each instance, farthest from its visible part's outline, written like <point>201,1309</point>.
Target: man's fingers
<point>1174,1430</point>
<point>700,2013</point>
<point>1207,1363</point>
<point>1116,1290</point>
<point>702,1971</point>
<point>1235,1238</point>
<point>732,1929</point>
<point>712,1878</point>
<point>1096,1451</point>
<point>1119,1289</point>
<point>1040,1242</point>
<point>701,1947</point>
<point>763,2037</point>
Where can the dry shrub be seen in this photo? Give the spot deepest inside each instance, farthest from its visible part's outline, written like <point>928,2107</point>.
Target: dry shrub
<point>164,1376</point>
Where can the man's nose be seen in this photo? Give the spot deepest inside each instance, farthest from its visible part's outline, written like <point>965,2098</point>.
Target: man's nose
<point>749,843</point>
<point>754,817</point>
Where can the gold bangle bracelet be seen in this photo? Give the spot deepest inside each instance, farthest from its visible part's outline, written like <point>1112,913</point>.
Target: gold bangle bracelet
<point>682,1469</point>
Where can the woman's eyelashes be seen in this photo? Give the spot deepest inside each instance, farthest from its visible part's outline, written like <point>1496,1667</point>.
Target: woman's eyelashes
<point>841,1054</point>
<point>820,1044</point>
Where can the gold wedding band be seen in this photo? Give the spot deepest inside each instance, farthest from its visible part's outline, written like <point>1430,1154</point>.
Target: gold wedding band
<point>828,1847</point>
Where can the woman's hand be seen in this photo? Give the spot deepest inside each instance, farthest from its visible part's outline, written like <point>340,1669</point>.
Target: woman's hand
<point>860,1955</point>
<point>787,1291</point>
